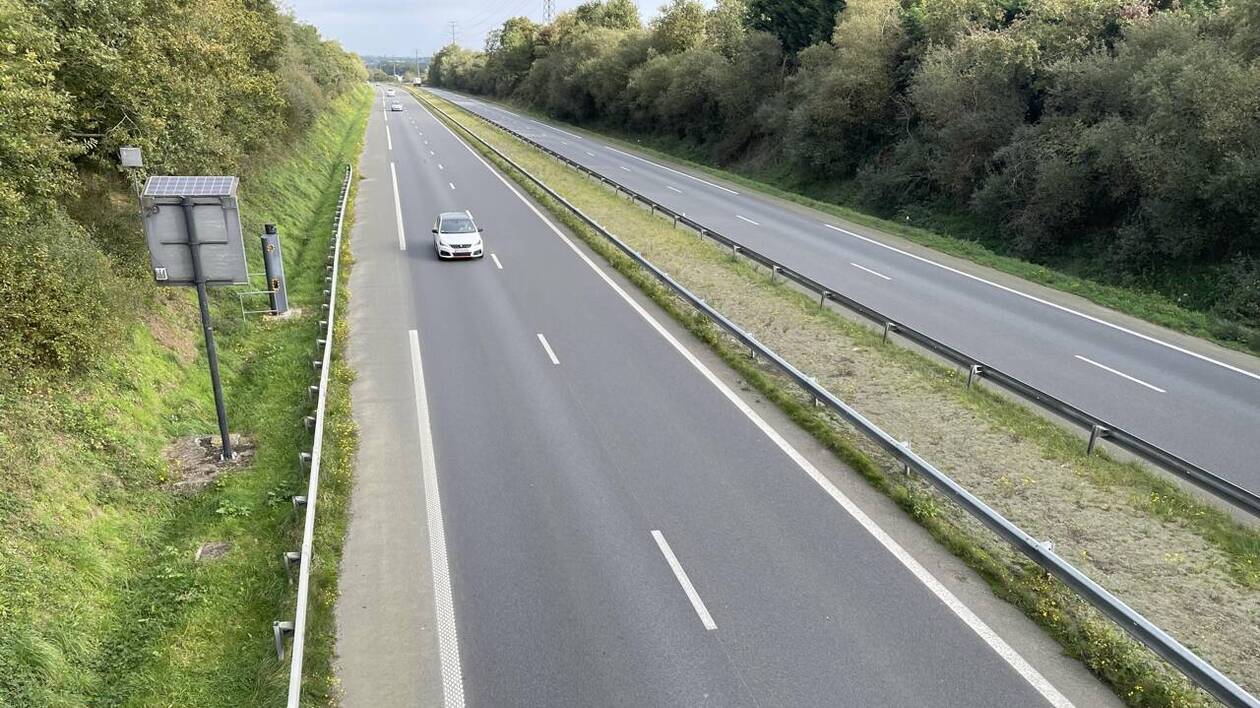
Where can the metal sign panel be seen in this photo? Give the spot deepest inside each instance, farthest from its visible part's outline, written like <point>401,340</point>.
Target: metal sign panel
<point>216,223</point>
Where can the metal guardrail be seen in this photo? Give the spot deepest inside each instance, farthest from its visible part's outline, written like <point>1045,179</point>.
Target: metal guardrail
<point>324,345</point>
<point>1098,428</point>
<point>1196,669</point>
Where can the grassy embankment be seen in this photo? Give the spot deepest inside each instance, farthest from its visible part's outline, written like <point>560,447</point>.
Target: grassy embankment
<point>1186,565</point>
<point>955,235</point>
<point>101,600</point>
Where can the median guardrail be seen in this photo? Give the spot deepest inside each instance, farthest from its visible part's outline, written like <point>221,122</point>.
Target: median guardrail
<point>1191,665</point>
<point>1098,428</point>
<point>303,558</point>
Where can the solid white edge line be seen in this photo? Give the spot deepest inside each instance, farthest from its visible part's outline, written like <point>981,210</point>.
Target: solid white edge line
<point>388,138</point>
<point>670,169</point>
<point>550,354</point>
<point>402,238</point>
<point>681,575</point>
<point>744,218</point>
<point>923,575</point>
<point>868,270</point>
<point>559,130</point>
<point>448,636</point>
<point>1121,374</point>
<point>497,264</point>
<point>1055,305</point>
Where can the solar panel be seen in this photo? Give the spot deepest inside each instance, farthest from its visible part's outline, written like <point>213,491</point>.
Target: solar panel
<point>190,186</point>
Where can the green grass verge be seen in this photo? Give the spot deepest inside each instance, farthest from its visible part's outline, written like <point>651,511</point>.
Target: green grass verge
<point>1152,306</point>
<point>101,601</point>
<point>1133,673</point>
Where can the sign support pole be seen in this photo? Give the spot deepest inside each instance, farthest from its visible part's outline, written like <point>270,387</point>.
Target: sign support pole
<point>203,301</point>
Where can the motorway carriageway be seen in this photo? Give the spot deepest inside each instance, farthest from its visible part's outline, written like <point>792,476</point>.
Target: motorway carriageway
<point>1203,408</point>
<point>558,503</point>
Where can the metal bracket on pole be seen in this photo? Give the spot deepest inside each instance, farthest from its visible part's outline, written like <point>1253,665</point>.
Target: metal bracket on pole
<point>292,559</point>
<point>1095,433</point>
<point>281,630</point>
<point>972,373</point>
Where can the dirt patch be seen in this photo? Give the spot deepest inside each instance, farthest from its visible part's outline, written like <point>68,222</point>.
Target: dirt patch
<point>1027,468</point>
<point>195,463</point>
<point>212,551</point>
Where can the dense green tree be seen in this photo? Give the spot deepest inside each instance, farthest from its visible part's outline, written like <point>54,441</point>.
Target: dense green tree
<point>612,14</point>
<point>797,23</point>
<point>725,26</point>
<point>679,26</point>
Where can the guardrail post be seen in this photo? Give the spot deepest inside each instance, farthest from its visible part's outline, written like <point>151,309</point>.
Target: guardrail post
<point>291,560</point>
<point>280,630</point>
<point>774,270</point>
<point>1095,433</point>
<point>822,298</point>
<point>735,252</point>
<point>299,503</point>
<point>889,327</point>
<point>675,221</point>
<point>972,373</point>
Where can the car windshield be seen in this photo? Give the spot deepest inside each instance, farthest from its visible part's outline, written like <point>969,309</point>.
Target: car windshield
<point>458,225</point>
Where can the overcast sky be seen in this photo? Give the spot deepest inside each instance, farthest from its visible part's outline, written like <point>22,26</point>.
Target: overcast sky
<point>397,27</point>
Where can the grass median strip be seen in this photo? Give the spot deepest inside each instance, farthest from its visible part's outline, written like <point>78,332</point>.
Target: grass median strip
<point>1185,565</point>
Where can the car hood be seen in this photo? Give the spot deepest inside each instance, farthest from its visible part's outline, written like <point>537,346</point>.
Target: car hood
<point>460,238</point>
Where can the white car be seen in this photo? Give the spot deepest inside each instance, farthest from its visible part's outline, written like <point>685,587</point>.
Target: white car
<point>456,235</point>
<point>395,106</point>
<point>391,92</point>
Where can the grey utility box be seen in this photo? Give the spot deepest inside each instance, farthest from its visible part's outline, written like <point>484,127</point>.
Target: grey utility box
<point>215,222</point>
<point>273,266</point>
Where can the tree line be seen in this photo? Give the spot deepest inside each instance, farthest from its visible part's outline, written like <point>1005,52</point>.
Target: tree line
<point>1118,137</point>
<point>199,87</point>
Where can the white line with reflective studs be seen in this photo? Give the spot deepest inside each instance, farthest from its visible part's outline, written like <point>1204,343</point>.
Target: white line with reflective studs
<point>872,272</point>
<point>402,238</point>
<point>670,169</point>
<point>1055,305</point>
<point>923,575</point>
<point>1121,374</point>
<point>550,354</point>
<point>444,604</point>
<point>681,575</point>
<point>497,264</point>
<point>744,218</point>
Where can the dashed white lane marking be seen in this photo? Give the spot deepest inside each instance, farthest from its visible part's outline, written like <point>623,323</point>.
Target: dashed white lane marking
<point>1055,305</point>
<point>558,130</point>
<point>550,354</point>
<point>673,189</point>
<point>564,142</point>
<point>452,184</point>
<point>448,636</point>
<point>1121,374</point>
<point>868,270</point>
<point>589,153</point>
<point>744,218</point>
<point>388,138</point>
<point>623,167</point>
<point>402,238</point>
<point>705,618</point>
<point>440,167</point>
<point>497,264</point>
<point>923,575</point>
<point>670,169</point>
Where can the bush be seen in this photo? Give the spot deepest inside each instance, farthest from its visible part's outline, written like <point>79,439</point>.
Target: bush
<point>61,302</point>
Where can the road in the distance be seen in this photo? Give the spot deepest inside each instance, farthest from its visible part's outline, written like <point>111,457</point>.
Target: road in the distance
<point>619,528</point>
<point>1196,406</point>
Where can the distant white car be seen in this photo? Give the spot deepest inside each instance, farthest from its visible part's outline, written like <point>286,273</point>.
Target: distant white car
<point>391,92</point>
<point>395,106</point>
<point>456,235</point>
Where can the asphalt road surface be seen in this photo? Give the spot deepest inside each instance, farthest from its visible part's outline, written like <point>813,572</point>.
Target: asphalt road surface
<point>559,503</point>
<point>1194,399</point>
